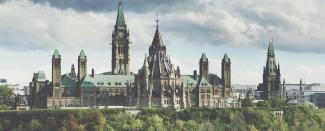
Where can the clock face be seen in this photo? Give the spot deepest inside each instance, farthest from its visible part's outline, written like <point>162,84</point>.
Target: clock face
<point>121,34</point>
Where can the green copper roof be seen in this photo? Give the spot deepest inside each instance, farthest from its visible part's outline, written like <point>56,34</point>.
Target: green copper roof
<point>189,80</point>
<point>107,81</point>
<point>67,81</point>
<point>226,58</point>
<point>41,76</point>
<point>56,54</point>
<point>120,21</point>
<point>82,54</point>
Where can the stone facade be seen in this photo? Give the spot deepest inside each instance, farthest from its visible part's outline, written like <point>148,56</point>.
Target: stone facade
<point>40,88</point>
<point>271,86</point>
<point>120,45</point>
<point>157,84</point>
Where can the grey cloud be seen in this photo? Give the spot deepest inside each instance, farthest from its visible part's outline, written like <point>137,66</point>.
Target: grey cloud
<point>138,6</point>
<point>198,21</point>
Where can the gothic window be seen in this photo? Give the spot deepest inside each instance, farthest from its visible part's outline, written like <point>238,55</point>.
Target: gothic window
<point>202,96</point>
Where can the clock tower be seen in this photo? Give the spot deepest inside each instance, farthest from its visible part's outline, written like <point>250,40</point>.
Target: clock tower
<point>120,45</point>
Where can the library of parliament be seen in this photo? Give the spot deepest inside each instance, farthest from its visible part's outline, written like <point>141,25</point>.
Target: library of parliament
<point>158,83</point>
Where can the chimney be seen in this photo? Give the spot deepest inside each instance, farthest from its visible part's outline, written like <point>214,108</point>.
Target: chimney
<point>195,74</point>
<point>178,71</point>
<point>92,73</point>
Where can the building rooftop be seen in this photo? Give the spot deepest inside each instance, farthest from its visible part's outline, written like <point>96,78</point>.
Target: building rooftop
<point>100,80</point>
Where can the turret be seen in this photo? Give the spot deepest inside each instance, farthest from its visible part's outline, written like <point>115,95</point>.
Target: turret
<point>300,85</point>
<point>72,73</point>
<point>271,76</point>
<point>56,74</point>
<point>178,72</point>
<point>120,45</point>
<point>226,75</point>
<point>195,75</point>
<point>145,67</point>
<point>284,95</point>
<point>56,69</point>
<point>204,66</point>
<point>82,65</point>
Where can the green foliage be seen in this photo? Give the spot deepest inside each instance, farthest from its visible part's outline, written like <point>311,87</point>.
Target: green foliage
<point>6,95</point>
<point>34,125</point>
<point>297,118</point>
<point>94,121</point>
<point>247,102</point>
<point>155,123</point>
<point>264,104</point>
<point>277,102</point>
<point>124,121</point>
<point>192,125</point>
<point>304,118</point>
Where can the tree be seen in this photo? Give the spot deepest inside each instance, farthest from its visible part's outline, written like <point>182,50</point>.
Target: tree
<point>265,104</point>
<point>192,125</point>
<point>34,125</point>
<point>72,123</point>
<point>136,124</point>
<point>207,126</point>
<point>277,102</point>
<point>51,123</point>
<point>155,123</point>
<point>247,102</point>
<point>6,94</point>
<point>94,121</point>
<point>180,125</point>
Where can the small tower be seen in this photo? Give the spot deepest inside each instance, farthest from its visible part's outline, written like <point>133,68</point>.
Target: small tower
<point>178,72</point>
<point>146,72</point>
<point>120,45</point>
<point>284,92</point>
<point>226,75</point>
<point>56,73</point>
<point>204,66</point>
<point>301,91</point>
<point>300,85</point>
<point>271,76</point>
<point>82,65</point>
<point>73,73</point>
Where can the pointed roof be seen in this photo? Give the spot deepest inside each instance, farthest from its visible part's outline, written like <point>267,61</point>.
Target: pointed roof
<point>226,58</point>
<point>56,54</point>
<point>204,57</point>
<point>271,66</point>
<point>82,55</point>
<point>145,63</point>
<point>120,21</point>
<point>41,76</point>
<point>73,71</point>
<point>270,48</point>
<point>157,40</point>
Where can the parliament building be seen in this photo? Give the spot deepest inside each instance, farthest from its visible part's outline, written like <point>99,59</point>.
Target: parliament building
<point>159,83</point>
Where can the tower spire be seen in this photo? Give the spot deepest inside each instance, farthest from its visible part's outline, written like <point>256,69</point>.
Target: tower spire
<point>157,20</point>
<point>120,20</point>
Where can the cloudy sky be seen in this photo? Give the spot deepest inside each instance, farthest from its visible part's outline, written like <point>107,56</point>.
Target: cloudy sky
<point>30,30</point>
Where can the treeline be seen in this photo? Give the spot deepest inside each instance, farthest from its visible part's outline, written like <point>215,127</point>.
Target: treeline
<point>7,98</point>
<point>295,118</point>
